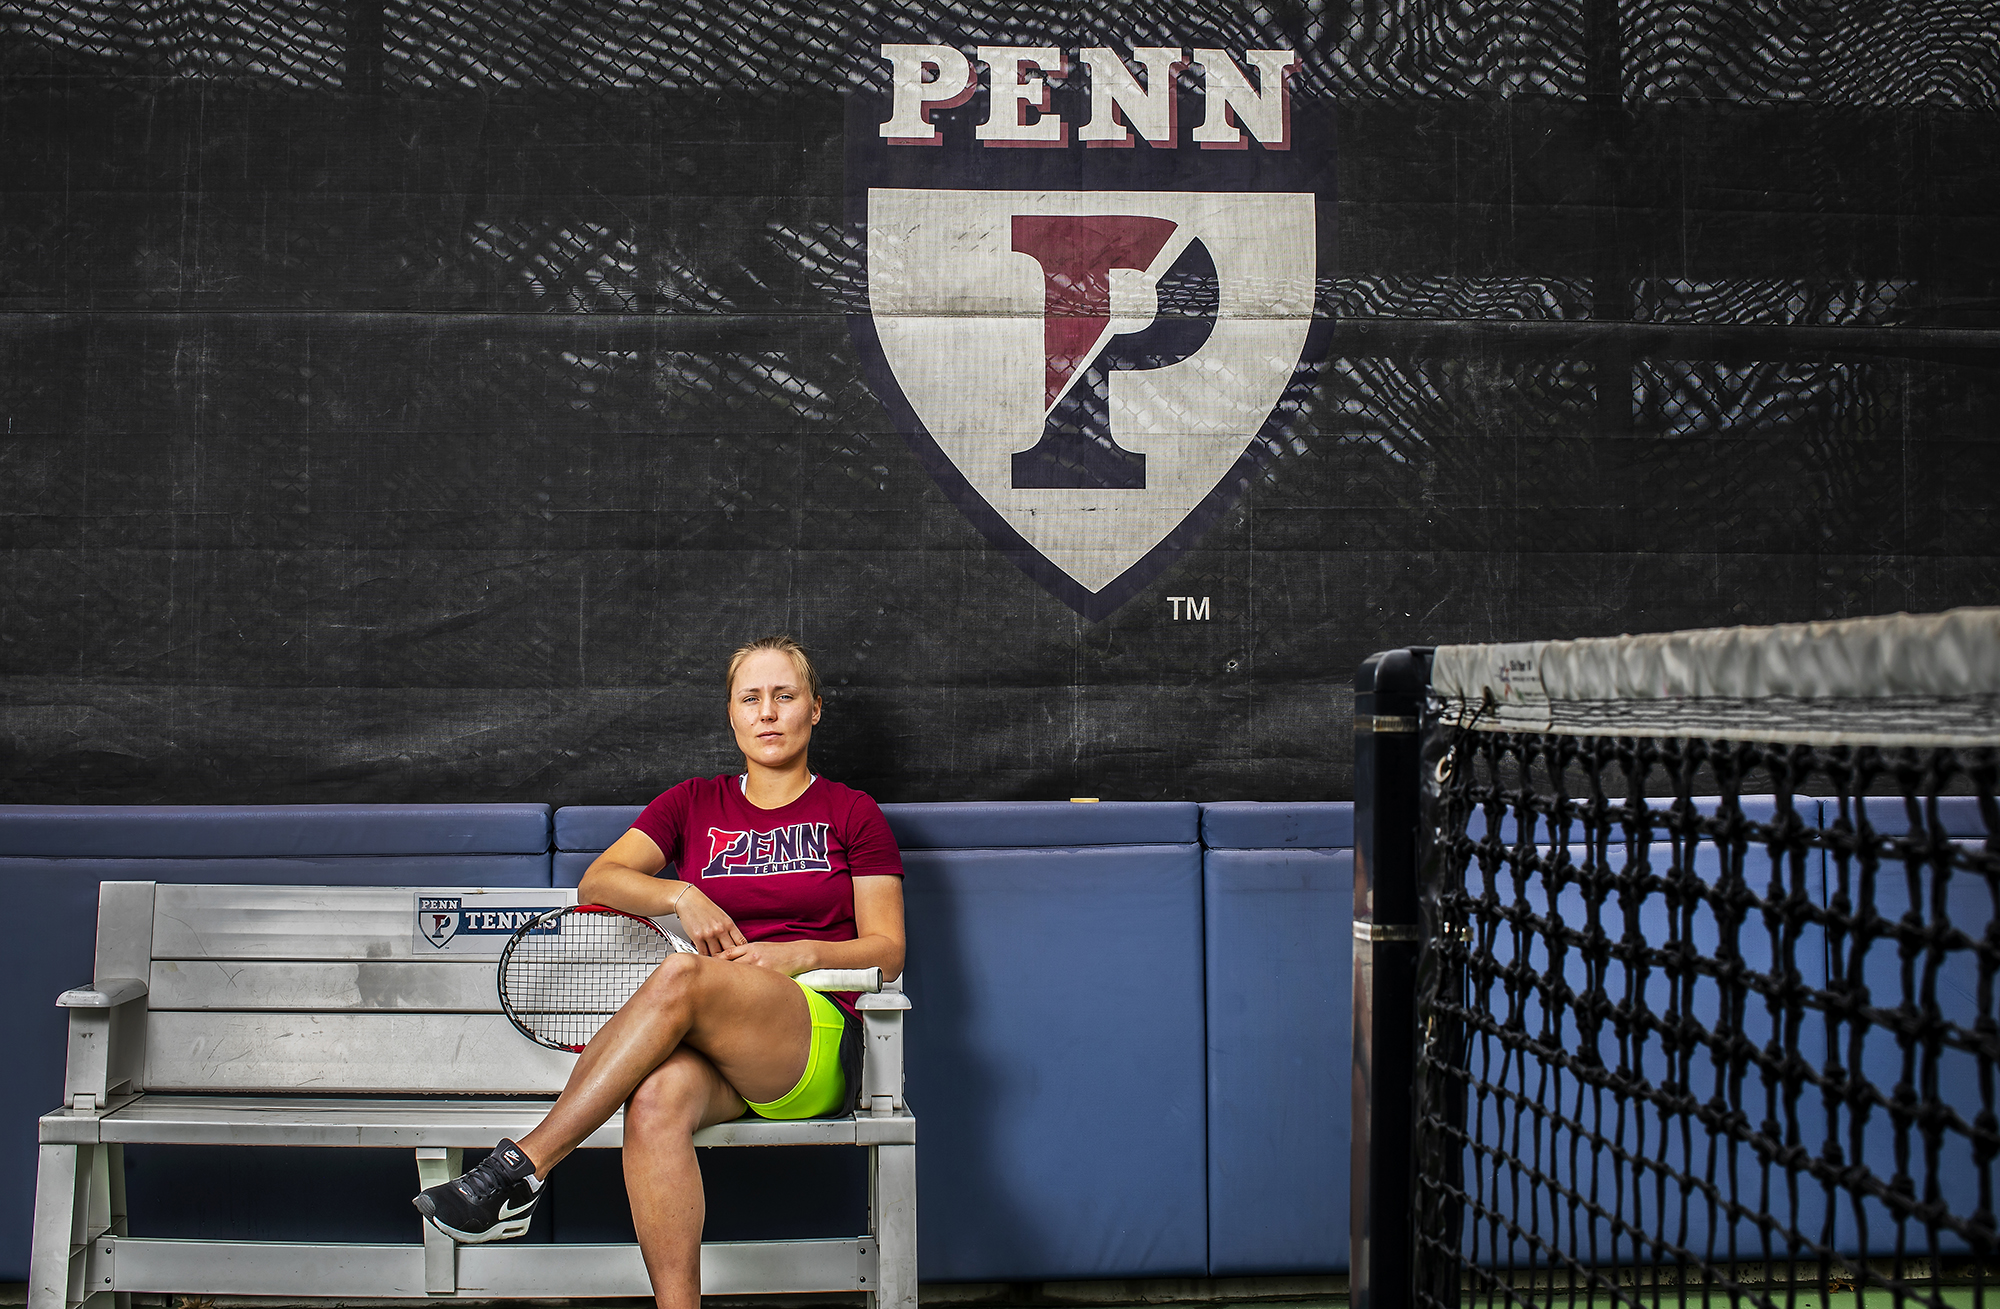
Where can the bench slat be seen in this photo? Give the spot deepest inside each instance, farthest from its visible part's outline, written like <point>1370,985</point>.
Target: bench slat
<point>466,1054</point>
<point>727,1268</point>
<point>156,1266</point>
<point>309,922</point>
<point>423,985</point>
<point>300,1120</point>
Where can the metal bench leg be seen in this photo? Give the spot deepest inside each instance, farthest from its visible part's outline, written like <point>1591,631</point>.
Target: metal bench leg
<point>104,1209</point>
<point>76,1198</point>
<point>437,1164</point>
<point>116,1221</point>
<point>892,1212</point>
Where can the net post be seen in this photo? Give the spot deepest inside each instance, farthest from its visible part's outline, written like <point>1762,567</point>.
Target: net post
<point>1389,693</point>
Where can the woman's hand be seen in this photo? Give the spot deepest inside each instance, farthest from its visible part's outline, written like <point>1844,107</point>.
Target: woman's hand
<point>788,957</point>
<point>712,931</point>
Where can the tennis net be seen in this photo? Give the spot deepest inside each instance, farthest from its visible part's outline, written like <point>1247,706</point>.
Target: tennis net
<point>1705,982</point>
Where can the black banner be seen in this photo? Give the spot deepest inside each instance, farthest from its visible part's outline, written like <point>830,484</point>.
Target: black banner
<point>420,403</point>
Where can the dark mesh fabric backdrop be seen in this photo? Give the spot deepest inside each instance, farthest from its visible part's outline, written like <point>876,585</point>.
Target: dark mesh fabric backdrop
<point>415,402</point>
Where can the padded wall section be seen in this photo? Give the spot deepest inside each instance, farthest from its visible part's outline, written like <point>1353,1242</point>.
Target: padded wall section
<point>571,865</point>
<point>527,870</point>
<point>593,827</point>
<point>1257,825</point>
<point>1002,823</point>
<point>1280,948</point>
<point>270,831</point>
<point>60,897</point>
<point>583,832</point>
<point>1055,1062</point>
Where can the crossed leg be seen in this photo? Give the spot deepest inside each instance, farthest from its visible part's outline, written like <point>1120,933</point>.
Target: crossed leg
<point>662,1178</point>
<point>699,1037</point>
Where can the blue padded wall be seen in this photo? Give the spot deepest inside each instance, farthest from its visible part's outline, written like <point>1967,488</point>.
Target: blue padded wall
<point>571,865</point>
<point>248,831</point>
<point>1278,924</point>
<point>527,870</point>
<point>583,832</point>
<point>1263,825</point>
<point>994,824</point>
<point>332,845</point>
<point>1280,987</point>
<point>591,828</point>
<point>1056,1062</point>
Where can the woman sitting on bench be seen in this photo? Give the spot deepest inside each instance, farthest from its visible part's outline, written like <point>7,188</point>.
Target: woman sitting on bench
<point>780,872</point>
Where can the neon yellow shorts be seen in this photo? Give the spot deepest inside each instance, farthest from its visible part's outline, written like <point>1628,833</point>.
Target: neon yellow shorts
<point>822,1087</point>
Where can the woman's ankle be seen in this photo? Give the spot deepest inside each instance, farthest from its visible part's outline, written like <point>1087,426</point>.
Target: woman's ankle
<point>542,1155</point>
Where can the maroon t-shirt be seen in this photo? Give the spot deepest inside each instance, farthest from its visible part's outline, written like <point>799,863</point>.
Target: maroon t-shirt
<point>784,874</point>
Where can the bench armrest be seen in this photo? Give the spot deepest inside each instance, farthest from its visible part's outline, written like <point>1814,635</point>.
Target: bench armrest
<point>882,1062</point>
<point>107,1040</point>
<point>104,993</point>
<point>875,992</point>
<point>841,979</point>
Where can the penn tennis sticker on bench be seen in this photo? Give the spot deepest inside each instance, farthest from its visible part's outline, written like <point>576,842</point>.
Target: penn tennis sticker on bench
<point>564,973</point>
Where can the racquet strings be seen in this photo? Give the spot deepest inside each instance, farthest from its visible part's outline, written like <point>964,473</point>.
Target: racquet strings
<point>560,986</point>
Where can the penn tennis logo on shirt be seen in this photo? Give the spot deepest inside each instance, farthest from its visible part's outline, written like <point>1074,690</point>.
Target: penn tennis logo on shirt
<point>796,848</point>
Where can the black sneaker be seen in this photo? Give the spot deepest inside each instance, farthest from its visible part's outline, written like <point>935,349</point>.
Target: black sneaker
<point>493,1201</point>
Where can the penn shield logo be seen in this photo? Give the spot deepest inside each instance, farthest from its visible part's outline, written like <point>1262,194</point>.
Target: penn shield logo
<point>446,922</point>
<point>794,848</point>
<point>437,919</point>
<point>1089,372</point>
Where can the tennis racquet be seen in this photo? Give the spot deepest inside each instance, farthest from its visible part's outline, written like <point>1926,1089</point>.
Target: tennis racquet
<point>563,974</point>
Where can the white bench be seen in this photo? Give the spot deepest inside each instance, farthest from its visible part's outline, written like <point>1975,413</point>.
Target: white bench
<point>317,1016</point>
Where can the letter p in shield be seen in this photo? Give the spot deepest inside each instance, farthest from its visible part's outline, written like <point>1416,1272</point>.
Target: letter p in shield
<point>1085,372</point>
<point>1077,254</point>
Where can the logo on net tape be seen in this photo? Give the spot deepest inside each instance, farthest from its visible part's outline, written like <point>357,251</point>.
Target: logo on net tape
<point>1090,373</point>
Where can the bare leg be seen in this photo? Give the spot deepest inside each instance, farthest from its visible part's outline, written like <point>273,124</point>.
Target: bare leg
<point>682,1095</point>
<point>751,1023</point>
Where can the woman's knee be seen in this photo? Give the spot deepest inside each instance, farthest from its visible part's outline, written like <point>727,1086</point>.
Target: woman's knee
<point>671,1097</point>
<point>677,972</point>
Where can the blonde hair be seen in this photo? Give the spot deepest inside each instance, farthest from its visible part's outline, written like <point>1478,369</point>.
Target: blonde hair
<point>784,645</point>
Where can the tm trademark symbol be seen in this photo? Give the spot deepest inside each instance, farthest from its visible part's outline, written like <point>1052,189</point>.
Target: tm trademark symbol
<point>1190,607</point>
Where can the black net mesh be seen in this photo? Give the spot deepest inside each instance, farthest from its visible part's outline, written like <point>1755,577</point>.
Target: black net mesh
<point>1704,1020</point>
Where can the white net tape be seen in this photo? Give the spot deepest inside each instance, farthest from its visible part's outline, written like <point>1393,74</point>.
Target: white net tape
<point>1904,679</point>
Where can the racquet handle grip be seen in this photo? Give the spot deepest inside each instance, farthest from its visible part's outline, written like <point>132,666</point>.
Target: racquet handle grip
<point>842,979</point>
